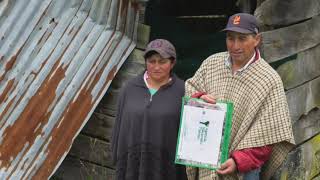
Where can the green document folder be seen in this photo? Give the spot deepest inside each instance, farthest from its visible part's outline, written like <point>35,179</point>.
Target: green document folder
<point>204,133</point>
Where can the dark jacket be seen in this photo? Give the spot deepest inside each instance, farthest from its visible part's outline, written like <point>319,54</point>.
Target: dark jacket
<point>145,131</point>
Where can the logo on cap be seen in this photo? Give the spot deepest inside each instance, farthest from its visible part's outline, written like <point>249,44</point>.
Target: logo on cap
<point>156,44</point>
<point>236,20</point>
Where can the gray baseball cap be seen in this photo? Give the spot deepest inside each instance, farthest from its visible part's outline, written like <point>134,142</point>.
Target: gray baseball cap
<point>243,23</point>
<point>163,47</point>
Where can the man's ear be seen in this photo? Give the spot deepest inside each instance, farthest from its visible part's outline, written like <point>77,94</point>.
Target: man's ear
<point>258,39</point>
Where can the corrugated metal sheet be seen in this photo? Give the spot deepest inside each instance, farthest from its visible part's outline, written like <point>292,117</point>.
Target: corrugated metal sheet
<point>57,59</point>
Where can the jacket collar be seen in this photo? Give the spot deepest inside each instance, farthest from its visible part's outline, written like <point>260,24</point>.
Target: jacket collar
<point>255,57</point>
<point>139,81</point>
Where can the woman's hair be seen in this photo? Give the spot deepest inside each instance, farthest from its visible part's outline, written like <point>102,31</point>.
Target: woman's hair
<point>151,53</point>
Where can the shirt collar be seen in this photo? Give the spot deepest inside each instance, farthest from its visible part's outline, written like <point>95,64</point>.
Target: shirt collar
<point>146,76</point>
<point>254,58</point>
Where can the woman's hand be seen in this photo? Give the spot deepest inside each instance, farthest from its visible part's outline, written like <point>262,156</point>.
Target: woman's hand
<point>228,167</point>
<point>208,98</point>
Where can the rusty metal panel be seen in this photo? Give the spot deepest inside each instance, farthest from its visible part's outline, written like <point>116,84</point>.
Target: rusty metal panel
<point>57,60</point>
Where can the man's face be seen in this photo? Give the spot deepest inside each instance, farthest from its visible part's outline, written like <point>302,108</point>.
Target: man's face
<point>241,46</point>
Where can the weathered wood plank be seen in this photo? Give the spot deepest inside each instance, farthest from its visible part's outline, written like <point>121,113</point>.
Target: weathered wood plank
<point>122,77</point>
<point>73,168</point>
<point>245,6</point>
<point>108,103</point>
<point>305,67</point>
<point>303,162</point>
<point>143,36</point>
<point>259,2</point>
<point>303,98</point>
<point>92,150</point>
<point>100,126</point>
<point>307,126</point>
<point>136,56</point>
<point>284,42</point>
<point>131,68</point>
<point>142,11</point>
<point>280,12</point>
<point>316,177</point>
<point>128,71</point>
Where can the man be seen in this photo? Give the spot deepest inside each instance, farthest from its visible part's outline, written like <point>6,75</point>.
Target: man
<point>261,133</point>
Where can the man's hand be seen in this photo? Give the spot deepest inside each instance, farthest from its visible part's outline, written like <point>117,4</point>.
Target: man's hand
<point>208,98</point>
<point>228,167</point>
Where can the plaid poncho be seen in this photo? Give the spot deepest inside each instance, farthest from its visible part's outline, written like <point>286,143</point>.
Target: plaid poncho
<point>260,116</point>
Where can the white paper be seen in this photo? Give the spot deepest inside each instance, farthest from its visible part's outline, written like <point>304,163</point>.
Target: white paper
<point>201,134</point>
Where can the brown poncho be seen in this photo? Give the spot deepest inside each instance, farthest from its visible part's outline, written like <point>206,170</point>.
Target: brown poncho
<point>261,115</point>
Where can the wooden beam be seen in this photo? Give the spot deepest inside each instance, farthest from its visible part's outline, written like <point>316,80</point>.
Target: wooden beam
<point>303,68</point>
<point>108,103</point>
<point>143,36</point>
<point>142,10</point>
<point>303,162</point>
<point>136,56</point>
<point>307,126</point>
<point>245,6</point>
<point>284,12</point>
<point>284,42</point>
<point>100,126</point>
<point>73,168</point>
<point>259,2</point>
<point>303,98</point>
<point>92,150</point>
<point>131,68</point>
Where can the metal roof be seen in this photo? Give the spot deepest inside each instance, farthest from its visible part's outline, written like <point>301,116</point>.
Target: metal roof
<point>57,59</point>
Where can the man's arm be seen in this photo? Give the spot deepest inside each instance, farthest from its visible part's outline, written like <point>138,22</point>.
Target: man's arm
<point>245,160</point>
<point>251,158</point>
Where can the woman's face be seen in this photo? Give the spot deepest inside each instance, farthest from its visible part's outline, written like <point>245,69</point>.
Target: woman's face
<point>159,68</point>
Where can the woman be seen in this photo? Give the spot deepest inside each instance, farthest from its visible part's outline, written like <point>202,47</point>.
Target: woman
<point>146,126</point>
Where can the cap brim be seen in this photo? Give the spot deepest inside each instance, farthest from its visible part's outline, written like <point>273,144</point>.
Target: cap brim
<point>238,29</point>
<point>162,53</point>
